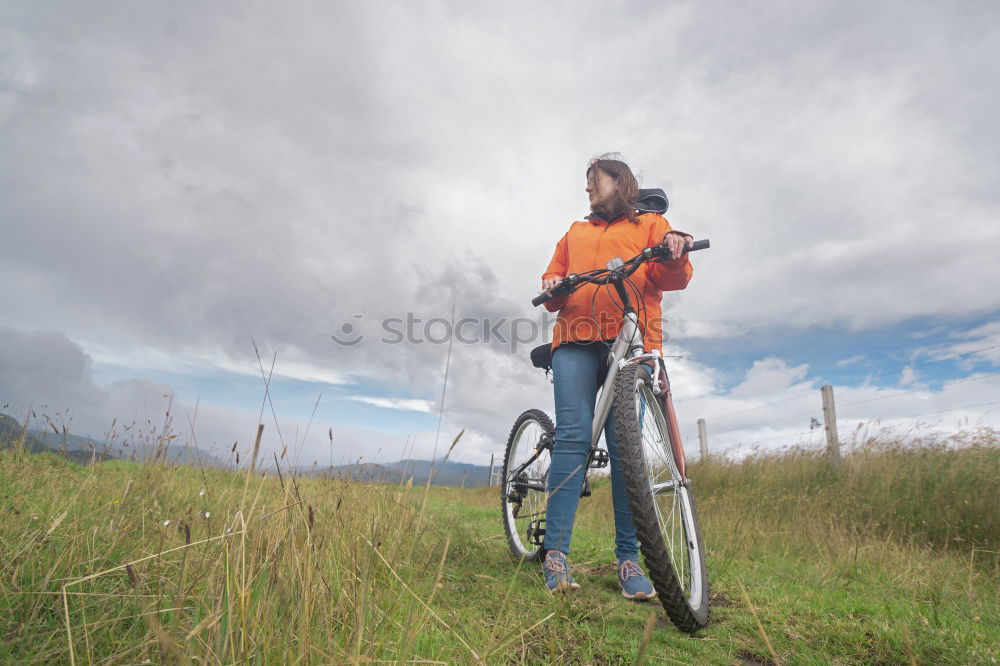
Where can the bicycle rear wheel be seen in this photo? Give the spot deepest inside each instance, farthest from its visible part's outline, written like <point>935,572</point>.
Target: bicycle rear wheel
<point>522,485</point>
<point>661,501</point>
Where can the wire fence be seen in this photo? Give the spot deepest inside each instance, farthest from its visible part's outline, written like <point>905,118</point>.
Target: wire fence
<point>817,428</point>
<point>819,418</point>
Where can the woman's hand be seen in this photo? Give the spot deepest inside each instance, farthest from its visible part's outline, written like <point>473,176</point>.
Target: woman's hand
<point>550,283</point>
<point>675,242</point>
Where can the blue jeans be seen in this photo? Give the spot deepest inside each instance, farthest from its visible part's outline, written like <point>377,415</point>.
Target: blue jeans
<point>574,372</point>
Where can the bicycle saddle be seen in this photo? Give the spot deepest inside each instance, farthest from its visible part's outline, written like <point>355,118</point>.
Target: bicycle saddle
<point>541,356</point>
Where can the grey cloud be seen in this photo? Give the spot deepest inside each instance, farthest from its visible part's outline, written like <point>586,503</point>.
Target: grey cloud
<point>46,371</point>
<point>186,176</point>
<point>47,378</point>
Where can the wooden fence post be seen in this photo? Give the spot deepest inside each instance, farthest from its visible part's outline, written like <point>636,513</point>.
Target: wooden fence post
<point>489,480</point>
<point>830,424</point>
<point>703,438</point>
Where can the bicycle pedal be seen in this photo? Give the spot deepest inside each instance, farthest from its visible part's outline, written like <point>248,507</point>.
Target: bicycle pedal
<point>536,533</point>
<point>599,458</point>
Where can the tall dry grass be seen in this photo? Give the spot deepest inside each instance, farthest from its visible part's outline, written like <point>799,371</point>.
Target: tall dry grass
<point>933,490</point>
<point>120,562</point>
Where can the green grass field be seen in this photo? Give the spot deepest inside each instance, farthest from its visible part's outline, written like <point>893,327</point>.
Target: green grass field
<point>890,559</point>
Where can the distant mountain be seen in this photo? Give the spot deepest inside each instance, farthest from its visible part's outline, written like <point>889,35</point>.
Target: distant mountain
<point>445,474</point>
<point>359,472</point>
<point>64,440</point>
<point>137,451</point>
<point>11,432</point>
<point>178,454</point>
<point>81,449</point>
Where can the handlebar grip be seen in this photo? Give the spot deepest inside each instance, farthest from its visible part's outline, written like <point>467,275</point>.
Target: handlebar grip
<point>541,298</point>
<point>661,253</point>
<point>560,289</point>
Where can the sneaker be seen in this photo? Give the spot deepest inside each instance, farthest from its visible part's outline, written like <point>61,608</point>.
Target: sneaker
<point>556,570</point>
<point>634,583</point>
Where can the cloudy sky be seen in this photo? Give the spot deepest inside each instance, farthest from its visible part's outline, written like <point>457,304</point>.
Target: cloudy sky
<point>182,181</point>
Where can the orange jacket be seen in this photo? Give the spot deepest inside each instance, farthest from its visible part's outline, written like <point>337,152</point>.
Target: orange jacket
<point>593,312</point>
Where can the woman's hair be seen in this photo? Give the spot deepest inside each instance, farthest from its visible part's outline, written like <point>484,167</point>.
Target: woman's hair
<point>627,194</point>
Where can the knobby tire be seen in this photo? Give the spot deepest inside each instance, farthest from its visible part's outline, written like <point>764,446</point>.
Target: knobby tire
<point>688,615</point>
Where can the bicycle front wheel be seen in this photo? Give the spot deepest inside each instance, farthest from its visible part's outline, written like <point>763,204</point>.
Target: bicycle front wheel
<point>661,501</point>
<point>522,485</point>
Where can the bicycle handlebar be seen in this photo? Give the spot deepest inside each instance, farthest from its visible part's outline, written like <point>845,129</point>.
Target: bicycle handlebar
<point>570,283</point>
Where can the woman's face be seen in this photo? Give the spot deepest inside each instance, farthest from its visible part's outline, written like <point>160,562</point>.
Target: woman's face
<point>601,189</point>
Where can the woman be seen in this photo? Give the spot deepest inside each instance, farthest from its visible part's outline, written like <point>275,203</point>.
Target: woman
<point>588,320</point>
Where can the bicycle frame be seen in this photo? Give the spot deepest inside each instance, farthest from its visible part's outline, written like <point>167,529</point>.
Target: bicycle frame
<point>626,350</point>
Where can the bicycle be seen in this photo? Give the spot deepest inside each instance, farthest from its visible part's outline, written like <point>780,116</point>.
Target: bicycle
<point>652,455</point>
